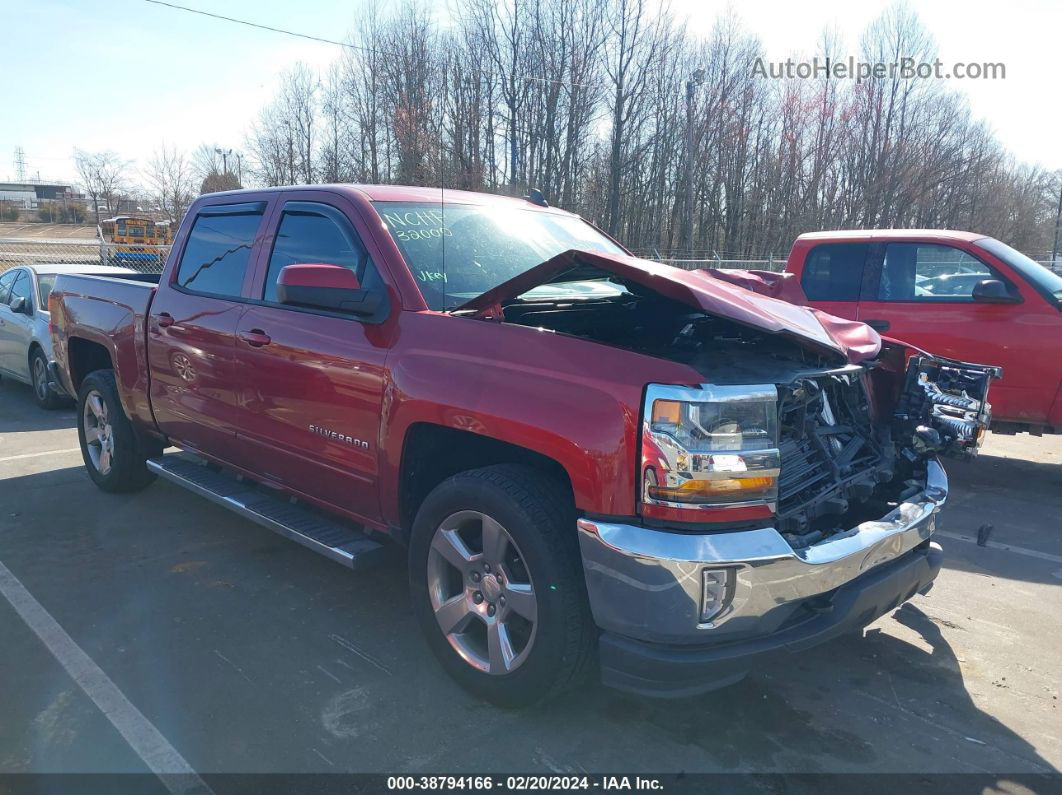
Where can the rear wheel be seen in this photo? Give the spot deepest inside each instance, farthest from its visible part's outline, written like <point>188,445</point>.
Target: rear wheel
<point>42,390</point>
<point>498,587</point>
<point>114,455</point>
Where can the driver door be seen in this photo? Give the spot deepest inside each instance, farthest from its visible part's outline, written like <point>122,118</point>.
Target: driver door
<point>924,294</point>
<point>16,327</point>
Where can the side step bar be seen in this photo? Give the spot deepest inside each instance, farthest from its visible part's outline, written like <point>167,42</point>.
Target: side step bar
<point>340,542</point>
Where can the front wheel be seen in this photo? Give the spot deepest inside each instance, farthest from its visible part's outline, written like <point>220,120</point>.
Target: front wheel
<point>113,454</point>
<point>498,587</point>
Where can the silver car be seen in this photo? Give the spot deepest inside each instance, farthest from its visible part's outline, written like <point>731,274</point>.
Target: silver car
<point>25,344</point>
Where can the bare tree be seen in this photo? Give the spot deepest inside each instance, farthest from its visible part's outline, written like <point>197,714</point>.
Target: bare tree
<point>586,99</point>
<point>103,175</point>
<point>171,181</point>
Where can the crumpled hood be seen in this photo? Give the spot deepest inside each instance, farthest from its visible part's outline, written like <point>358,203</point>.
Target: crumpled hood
<point>718,295</point>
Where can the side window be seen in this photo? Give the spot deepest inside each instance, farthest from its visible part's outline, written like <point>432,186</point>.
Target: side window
<point>834,272</point>
<point>218,249</point>
<point>928,272</point>
<point>6,281</point>
<point>22,288</point>
<point>311,233</point>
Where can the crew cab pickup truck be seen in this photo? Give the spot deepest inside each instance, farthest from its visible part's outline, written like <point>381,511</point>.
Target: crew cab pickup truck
<point>957,294</point>
<point>592,459</point>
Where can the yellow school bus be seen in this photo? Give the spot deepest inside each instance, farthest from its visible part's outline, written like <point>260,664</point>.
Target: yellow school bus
<point>136,240</point>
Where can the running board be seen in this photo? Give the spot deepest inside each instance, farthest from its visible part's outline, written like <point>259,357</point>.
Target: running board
<point>342,543</point>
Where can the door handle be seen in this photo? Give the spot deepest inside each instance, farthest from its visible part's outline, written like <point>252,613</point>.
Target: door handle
<point>164,320</point>
<point>878,325</point>
<point>256,338</point>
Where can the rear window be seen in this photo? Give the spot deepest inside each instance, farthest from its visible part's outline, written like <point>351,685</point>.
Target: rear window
<point>218,250</point>
<point>834,272</point>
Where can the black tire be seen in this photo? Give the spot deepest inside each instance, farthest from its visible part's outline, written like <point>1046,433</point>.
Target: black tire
<point>127,471</point>
<point>43,393</point>
<point>539,517</point>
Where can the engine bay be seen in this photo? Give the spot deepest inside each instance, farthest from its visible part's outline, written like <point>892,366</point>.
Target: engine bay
<point>853,439</point>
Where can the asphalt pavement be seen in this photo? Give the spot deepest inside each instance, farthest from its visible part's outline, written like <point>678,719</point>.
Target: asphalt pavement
<point>247,653</point>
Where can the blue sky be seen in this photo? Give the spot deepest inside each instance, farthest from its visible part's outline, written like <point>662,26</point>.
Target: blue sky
<point>70,66</point>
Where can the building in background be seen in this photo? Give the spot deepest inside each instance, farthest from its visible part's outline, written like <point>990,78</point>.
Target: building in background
<point>30,195</point>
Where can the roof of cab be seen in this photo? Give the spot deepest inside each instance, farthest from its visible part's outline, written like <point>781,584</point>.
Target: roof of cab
<point>893,234</point>
<point>401,193</point>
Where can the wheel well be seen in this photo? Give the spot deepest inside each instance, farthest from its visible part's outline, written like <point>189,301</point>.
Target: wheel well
<point>33,348</point>
<point>432,453</point>
<point>86,357</point>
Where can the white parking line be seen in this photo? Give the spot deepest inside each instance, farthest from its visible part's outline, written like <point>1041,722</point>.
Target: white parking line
<point>39,455</point>
<point>162,759</point>
<point>1032,553</point>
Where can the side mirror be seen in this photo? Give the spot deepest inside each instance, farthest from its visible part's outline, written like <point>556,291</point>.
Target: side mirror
<point>19,305</point>
<point>329,287</point>
<point>993,291</point>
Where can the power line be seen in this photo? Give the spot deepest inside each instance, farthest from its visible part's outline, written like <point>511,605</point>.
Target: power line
<point>319,39</point>
<point>261,26</point>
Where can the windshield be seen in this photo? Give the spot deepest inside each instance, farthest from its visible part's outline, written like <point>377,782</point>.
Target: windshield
<point>460,251</point>
<point>1047,283</point>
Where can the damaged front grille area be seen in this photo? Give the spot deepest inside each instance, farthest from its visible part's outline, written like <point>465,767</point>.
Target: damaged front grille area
<point>944,406</point>
<point>832,455</point>
<point>841,464</point>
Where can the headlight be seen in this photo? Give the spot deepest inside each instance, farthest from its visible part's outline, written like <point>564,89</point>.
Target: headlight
<point>712,447</point>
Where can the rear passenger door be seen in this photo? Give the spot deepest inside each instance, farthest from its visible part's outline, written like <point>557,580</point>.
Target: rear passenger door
<point>311,381</point>
<point>832,277</point>
<point>192,329</point>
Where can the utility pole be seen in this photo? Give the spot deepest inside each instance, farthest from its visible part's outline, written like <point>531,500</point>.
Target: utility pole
<point>224,158</point>
<point>696,79</point>
<point>20,164</point>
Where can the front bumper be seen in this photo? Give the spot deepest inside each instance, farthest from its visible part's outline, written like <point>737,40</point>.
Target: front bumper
<point>645,589</point>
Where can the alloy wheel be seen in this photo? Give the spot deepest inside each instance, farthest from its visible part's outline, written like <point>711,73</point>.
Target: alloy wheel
<point>99,434</point>
<point>481,592</point>
<point>40,378</point>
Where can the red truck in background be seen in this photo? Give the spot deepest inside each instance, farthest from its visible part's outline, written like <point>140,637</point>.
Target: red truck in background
<point>956,294</point>
<point>592,459</point>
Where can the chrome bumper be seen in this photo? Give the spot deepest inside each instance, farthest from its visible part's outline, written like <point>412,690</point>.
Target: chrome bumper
<point>647,584</point>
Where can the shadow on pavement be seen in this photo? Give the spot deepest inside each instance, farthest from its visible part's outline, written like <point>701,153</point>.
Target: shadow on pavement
<point>873,704</point>
<point>18,412</point>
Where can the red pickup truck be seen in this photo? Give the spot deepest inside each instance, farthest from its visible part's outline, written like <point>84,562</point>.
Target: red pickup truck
<point>592,459</point>
<point>957,294</point>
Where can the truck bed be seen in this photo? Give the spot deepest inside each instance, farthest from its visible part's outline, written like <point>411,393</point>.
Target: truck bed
<point>109,311</point>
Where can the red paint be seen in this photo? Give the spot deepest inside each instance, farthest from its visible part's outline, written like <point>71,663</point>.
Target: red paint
<point>318,275</point>
<point>322,405</point>
<point>702,290</point>
<point>1023,338</point>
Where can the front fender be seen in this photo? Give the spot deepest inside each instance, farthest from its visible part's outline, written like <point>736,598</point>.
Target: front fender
<point>571,400</point>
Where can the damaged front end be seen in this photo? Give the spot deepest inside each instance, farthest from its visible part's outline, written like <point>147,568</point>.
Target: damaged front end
<point>802,417</point>
<point>854,446</point>
<point>788,494</point>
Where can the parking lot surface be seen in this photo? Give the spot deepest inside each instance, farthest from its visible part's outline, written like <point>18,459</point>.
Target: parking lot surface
<point>249,653</point>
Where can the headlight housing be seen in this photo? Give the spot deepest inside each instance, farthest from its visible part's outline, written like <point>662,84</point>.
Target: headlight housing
<point>710,447</point>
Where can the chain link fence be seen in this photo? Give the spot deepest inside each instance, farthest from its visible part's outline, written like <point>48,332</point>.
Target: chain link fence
<point>777,265</point>
<point>150,259</point>
<point>22,251</point>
